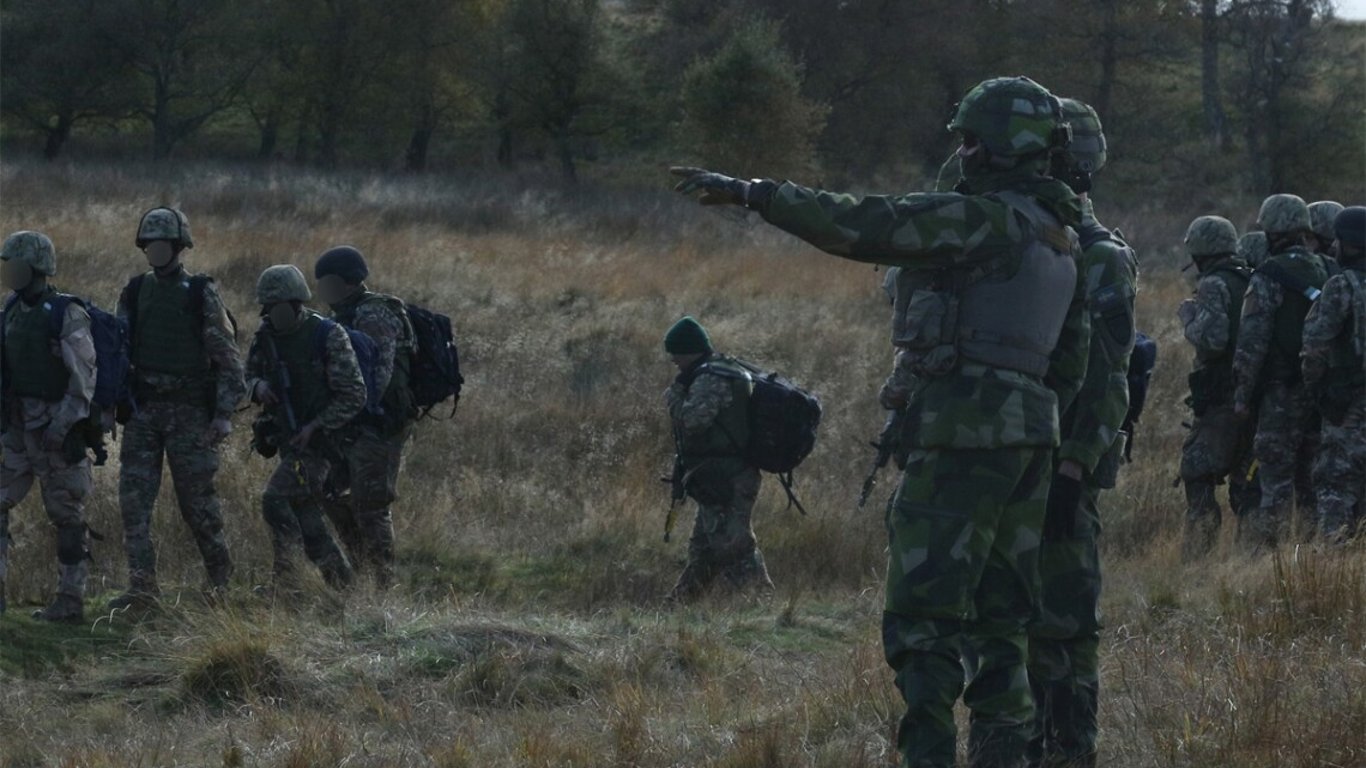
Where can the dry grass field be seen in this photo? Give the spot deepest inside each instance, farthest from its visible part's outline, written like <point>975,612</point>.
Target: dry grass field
<point>527,629</point>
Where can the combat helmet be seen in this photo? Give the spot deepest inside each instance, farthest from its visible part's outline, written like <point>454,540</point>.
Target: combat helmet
<point>164,223</point>
<point>282,282</point>
<point>32,248</point>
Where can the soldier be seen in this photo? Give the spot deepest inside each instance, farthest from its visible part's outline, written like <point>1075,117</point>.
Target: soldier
<point>186,382</point>
<point>307,379</point>
<point>997,267</point>
<point>1064,665</point>
<point>1266,368</point>
<point>1334,367</point>
<point>1219,445</point>
<point>373,447</point>
<point>47,386</point>
<point>708,406</point>
<point>1252,249</point>
<point>1322,216</point>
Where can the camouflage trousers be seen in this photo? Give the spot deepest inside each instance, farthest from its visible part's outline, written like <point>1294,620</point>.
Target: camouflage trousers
<point>360,489</point>
<point>722,542</point>
<point>176,433</point>
<point>1064,642</point>
<point>292,510</point>
<point>64,487</point>
<point>1285,446</point>
<point>962,587</point>
<point>1219,446</point>
<point>1340,473</point>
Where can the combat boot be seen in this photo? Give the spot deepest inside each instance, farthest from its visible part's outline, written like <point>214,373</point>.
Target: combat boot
<point>142,591</point>
<point>68,606</point>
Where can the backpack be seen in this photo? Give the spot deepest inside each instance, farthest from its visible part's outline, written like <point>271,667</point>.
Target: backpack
<point>783,419</point>
<point>367,358</point>
<point>109,335</point>
<point>435,371</point>
<point>1142,361</point>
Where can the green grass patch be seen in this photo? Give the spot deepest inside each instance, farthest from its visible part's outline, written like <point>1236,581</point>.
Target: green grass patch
<point>31,648</point>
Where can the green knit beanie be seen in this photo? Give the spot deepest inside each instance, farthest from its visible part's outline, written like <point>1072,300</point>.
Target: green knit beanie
<point>687,337</point>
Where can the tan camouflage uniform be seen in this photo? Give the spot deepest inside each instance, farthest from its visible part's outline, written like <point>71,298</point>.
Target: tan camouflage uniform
<point>25,458</point>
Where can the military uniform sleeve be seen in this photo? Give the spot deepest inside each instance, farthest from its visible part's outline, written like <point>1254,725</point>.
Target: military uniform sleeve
<point>255,367</point>
<point>78,354</point>
<point>344,381</point>
<point>1208,328</point>
<point>383,324</point>
<point>918,231</point>
<point>1094,420</point>
<point>1254,336</point>
<point>896,390</point>
<point>221,346</point>
<point>697,410</point>
<point>1325,321</point>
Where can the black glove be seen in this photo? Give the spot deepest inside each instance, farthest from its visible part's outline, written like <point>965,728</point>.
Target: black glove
<point>716,188</point>
<point>1064,503</point>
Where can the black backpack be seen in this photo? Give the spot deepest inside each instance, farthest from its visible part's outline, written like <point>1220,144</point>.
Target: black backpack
<point>783,419</point>
<point>435,374</point>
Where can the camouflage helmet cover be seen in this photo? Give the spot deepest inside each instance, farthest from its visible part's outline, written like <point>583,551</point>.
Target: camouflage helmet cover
<point>1012,117</point>
<point>1253,248</point>
<point>1321,217</point>
<point>32,248</point>
<point>1087,150</point>
<point>1283,214</point>
<point>163,223</point>
<point>1211,236</point>
<point>282,282</point>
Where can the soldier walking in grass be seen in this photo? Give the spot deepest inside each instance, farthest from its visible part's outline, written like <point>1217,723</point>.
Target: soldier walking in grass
<point>364,481</point>
<point>186,384</point>
<point>1064,642</point>
<point>304,373</point>
<point>1219,445</point>
<point>1266,368</point>
<point>708,406</point>
<point>47,383</point>
<point>997,293</point>
<point>1334,368</point>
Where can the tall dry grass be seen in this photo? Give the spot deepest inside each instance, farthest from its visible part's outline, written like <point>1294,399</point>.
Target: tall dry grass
<point>527,627</point>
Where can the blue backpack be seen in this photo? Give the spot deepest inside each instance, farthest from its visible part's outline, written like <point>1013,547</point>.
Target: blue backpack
<point>367,356</point>
<point>110,335</point>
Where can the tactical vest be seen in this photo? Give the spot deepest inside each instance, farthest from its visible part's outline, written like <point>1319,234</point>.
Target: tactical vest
<point>1349,348</point>
<point>166,339</point>
<point>308,392</point>
<point>1287,335</point>
<point>729,433</point>
<point>31,369</point>
<point>397,398</point>
<point>993,313</point>
<point>1235,278</point>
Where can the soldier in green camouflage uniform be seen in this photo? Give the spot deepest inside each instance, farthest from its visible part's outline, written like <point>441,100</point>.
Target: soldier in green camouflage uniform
<point>46,387</point>
<point>708,406</point>
<point>1266,367</point>
<point>1334,367</point>
<point>186,383</point>
<point>999,291</point>
<point>1064,642</point>
<point>364,483</point>
<point>1322,216</point>
<point>1219,445</point>
<point>325,392</point>
<point>1252,248</point>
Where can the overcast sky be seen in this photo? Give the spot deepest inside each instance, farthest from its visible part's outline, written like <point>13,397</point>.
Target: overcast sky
<point>1352,9</point>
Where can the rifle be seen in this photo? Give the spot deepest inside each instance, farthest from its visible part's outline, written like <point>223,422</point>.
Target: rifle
<point>677,491</point>
<point>281,376</point>
<point>888,443</point>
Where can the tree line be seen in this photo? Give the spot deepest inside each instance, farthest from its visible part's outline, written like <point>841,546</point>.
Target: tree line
<point>1262,94</point>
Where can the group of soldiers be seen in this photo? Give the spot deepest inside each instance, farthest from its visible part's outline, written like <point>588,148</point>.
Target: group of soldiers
<point>338,459</point>
<point>1013,330</point>
<point>1278,323</point>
